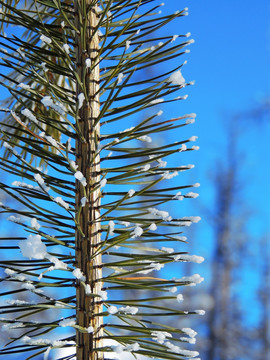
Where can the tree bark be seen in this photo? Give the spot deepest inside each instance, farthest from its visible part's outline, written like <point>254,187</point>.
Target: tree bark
<point>88,232</point>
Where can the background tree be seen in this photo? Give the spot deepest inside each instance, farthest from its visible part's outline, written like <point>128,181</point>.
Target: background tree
<point>77,79</point>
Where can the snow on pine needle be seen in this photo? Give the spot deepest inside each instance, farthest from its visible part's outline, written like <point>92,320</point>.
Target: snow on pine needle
<point>89,189</point>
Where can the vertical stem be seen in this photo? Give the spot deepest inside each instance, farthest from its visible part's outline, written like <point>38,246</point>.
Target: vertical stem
<point>88,307</point>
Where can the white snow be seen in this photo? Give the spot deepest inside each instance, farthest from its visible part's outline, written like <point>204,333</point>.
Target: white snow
<point>88,63</point>
<point>103,182</point>
<point>112,310</point>
<point>177,78</point>
<point>66,48</point>
<point>160,336</point>
<point>111,226</point>
<point>138,231</point>
<point>61,202</point>
<point>156,101</point>
<point>83,201</point>
<point>67,322</point>
<point>179,297</point>
<point>120,78</point>
<point>131,192</point>
<point>81,99</point>
<point>79,176</point>
<point>78,274</point>
<point>27,113</point>
<point>103,294</point>
<point>129,310</point>
<point>35,224</point>
<point>191,258</point>
<point>192,195</point>
<point>153,227</point>
<point>33,247</point>
<point>145,138</point>
<point>24,86</point>
<point>45,39</point>
<point>15,219</point>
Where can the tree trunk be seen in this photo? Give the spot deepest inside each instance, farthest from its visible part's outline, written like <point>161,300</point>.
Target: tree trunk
<point>88,232</point>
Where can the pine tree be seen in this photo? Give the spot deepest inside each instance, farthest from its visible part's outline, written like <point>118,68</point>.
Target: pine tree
<point>91,196</point>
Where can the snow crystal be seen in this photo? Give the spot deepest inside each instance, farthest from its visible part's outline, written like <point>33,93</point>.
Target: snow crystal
<point>46,354</point>
<point>88,63</point>
<point>35,224</point>
<point>179,297</point>
<point>90,329</point>
<point>174,38</point>
<point>78,274</point>
<point>27,113</point>
<point>193,138</point>
<point>192,195</point>
<point>112,310</point>
<point>196,185</point>
<point>24,86</point>
<point>160,336</point>
<point>132,347</point>
<point>190,332</point>
<point>125,223</point>
<point>183,147</point>
<point>138,231</point>
<point>7,146</point>
<point>79,176</point>
<point>156,101</point>
<point>131,192</point>
<point>87,290</point>
<point>33,247</point>
<point>178,196</point>
<point>189,340</point>
<point>145,138</point>
<point>111,226</point>
<point>145,167</point>
<point>129,310</point>
<point>159,113</point>
<point>66,48</point>
<point>81,99</point>
<point>153,227</point>
<point>16,325</point>
<point>167,175</point>
<point>195,148</point>
<point>191,258</point>
<point>63,24</point>
<point>67,322</point>
<point>188,34</point>
<point>177,78</point>
<point>102,294</point>
<point>73,164</point>
<point>164,215</point>
<point>167,250</point>
<point>58,107</point>
<point>39,179</point>
<point>83,201</point>
<point>45,39</point>
<point>10,272</point>
<point>15,219</point>
<point>128,42</point>
<point>28,286</point>
<point>103,182</point>
<point>194,279</point>
<point>194,219</point>
<point>61,202</point>
<point>118,349</point>
<point>200,312</point>
<point>120,78</point>
<point>173,289</point>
